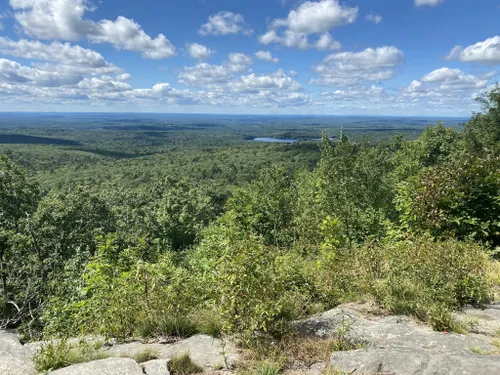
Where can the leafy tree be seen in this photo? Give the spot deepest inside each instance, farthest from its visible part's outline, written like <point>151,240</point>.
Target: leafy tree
<point>181,212</point>
<point>265,207</point>
<point>460,199</point>
<point>483,130</point>
<point>18,200</point>
<point>354,186</point>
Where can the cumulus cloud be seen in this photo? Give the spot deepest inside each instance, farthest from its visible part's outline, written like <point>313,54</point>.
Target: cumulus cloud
<point>486,52</point>
<point>445,89</point>
<point>375,18</point>
<point>14,73</point>
<point>72,58</point>
<point>310,18</point>
<point>227,81</point>
<point>431,3</point>
<point>64,20</point>
<point>199,51</point>
<point>454,79</point>
<point>354,93</point>
<point>266,56</point>
<point>97,84</point>
<point>326,42</point>
<point>259,82</point>
<point>225,23</point>
<point>351,68</point>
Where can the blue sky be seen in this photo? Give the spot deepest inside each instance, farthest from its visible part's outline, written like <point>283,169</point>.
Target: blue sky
<point>384,57</point>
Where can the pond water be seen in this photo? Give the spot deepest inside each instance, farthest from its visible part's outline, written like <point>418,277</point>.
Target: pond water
<point>274,140</point>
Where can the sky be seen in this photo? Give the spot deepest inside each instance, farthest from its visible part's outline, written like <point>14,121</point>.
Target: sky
<point>329,57</point>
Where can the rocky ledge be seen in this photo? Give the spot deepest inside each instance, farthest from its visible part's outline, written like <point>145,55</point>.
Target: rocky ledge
<point>393,345</point>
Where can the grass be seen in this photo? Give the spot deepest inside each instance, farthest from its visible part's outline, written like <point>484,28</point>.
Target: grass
<point>293,353</point>
<point>267,368</point>
<point>183,365</point>
<point>61,354</point>
<point>145,355</point>
<point>493,275</point>
<point>479,350</point>
<point>168,325</point>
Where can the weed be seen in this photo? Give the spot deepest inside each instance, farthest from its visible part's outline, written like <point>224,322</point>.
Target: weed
<point>167,325</point>
<point>479,350</point>
<point>55,355</point>
<point>268,368</point>
<point>183,365</point>
<point>145,355</point>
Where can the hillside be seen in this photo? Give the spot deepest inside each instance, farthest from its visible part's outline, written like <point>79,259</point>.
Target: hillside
<point>137,242</point>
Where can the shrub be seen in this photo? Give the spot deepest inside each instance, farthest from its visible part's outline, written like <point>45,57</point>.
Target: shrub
<point>235,274</point>
<point>183,365</point>
<point>58,354</point>
<point>459,199</point>
<point>426,278</point>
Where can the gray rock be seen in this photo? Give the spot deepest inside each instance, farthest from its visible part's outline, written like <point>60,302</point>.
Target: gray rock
<point>156,367</point>
<point>399,361</point>
<point>207,352</point>
<point>397,345</point>
<point>15,358</point>
<point>372,361</point>
<point>108,366</point>
<point>484,321</point>
<point>391,332</point>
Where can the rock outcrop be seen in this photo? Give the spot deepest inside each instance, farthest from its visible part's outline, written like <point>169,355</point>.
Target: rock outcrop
<point>108,366</point>
<point>15,358</point>
<point>397,345</point>
<point>391,345</point>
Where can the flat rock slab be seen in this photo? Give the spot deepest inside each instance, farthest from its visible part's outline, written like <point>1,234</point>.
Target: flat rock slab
<point>15,358</point>
<point>108,366</point>
<point>410,362</point>
<point>484,321</point>
<point>205,351</point>
<point>391,332</point>
<point>156,367</point>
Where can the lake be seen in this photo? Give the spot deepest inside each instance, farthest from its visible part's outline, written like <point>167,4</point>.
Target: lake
<point>274,140</point>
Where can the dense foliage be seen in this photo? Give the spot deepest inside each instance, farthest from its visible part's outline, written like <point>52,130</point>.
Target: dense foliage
<point>410,224</point>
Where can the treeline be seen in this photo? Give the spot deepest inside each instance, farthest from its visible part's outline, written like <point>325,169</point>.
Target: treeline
<point>411,224</point>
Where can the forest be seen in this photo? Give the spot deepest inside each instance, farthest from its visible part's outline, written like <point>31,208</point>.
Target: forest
<point>125,231</point>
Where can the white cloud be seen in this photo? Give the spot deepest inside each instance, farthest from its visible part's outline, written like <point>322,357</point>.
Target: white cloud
<point>293,73</point>
<point>205,74</point>
<point>351,68</point>
<point>63,20</point>
<point>258,82</point>
<point>487,52</point>
<point>310,18</point>
<point>375,18</point>
<point>199,51</point>
<point>123,77</point>
<point>238,62</point>
<point>266,56</point>
<point>96,84</point>
<point>455,79</point>
<point>72,58</point>
<point>320,17</point>
<point>356,93</point>
<point>14,73</point>
<point>431,3</point>
<point>444,89</point>
<point>225,23</point>
<point>326,42</point>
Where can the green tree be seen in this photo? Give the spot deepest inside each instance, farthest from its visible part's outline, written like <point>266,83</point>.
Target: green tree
<point>18,200</point>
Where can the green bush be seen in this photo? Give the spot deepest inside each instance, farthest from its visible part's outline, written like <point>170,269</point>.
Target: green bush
<point>183,365</point>
<point>459,199</point>
<point>423,277</point>
<point>58,354</point>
